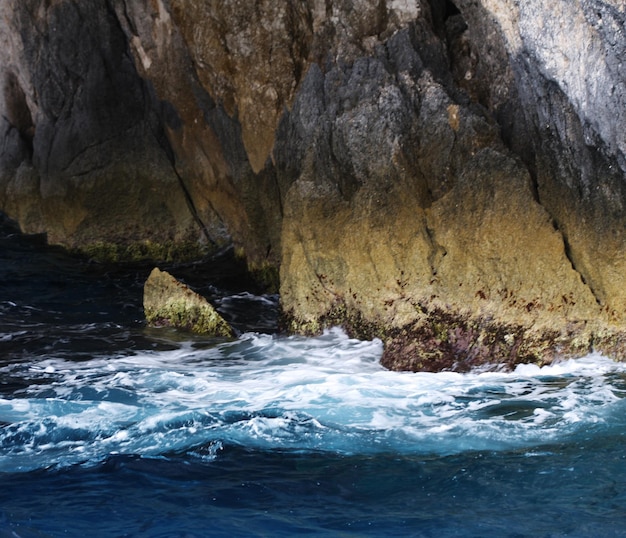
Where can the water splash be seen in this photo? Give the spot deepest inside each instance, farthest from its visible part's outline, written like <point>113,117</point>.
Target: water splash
<point>299,394</point>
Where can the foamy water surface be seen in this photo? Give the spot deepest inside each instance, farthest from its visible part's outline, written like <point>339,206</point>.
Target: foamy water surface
<point>268,392</point>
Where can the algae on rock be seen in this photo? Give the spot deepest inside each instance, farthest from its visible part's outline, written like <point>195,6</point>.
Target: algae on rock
<point>168,302</point>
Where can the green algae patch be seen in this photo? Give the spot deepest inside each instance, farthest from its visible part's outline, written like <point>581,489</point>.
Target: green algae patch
<point>136,251</point>
<point>168,302</point>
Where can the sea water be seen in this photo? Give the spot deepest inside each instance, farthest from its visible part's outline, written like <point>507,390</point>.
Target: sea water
<point>108,428</point>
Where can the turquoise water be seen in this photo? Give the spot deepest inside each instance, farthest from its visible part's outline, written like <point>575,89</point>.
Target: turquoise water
<point>111,429</point>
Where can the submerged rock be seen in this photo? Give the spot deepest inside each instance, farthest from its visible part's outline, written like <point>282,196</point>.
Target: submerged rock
<point>168,302</point>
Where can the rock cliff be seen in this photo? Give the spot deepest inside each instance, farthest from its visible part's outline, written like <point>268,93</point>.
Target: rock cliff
<point>448,176</point>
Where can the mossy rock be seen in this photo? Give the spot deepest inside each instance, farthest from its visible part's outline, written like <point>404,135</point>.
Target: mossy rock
<point>137,251</point>
<point>168,302</point>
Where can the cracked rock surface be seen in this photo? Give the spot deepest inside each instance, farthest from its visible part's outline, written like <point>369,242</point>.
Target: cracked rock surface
<point>446,175</point>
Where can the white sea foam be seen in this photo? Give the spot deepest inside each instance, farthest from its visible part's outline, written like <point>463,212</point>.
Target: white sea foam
<point>328,393</point>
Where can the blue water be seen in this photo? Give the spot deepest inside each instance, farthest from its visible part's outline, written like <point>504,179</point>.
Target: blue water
<point>111,429</point>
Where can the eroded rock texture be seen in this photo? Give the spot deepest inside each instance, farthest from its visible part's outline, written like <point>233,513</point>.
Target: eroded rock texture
<point>82,154</point>
<point>472,204</point>
<point>448,176</point>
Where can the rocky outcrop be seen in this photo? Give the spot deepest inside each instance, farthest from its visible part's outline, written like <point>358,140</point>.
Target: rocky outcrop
<point>453,197</point>
<point>448,176</point>
<point>169,303</point>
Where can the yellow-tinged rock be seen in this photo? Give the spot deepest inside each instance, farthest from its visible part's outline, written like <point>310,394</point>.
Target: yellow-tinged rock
<point>168,302</point>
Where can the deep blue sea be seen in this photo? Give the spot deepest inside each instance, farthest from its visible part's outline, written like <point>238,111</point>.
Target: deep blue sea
<point>111,429</point>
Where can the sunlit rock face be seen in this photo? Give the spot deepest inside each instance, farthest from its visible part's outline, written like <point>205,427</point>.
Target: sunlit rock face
<point>570,69</point>
<point>448,176</point>
<point>471,201</point>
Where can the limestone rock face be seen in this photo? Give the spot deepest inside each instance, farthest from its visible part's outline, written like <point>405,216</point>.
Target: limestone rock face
<point>471,205</point>
<point>448,175</point>
<point>168,302</point>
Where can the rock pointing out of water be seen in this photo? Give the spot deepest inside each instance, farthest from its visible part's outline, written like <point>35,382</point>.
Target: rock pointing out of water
<point>168,302</point>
